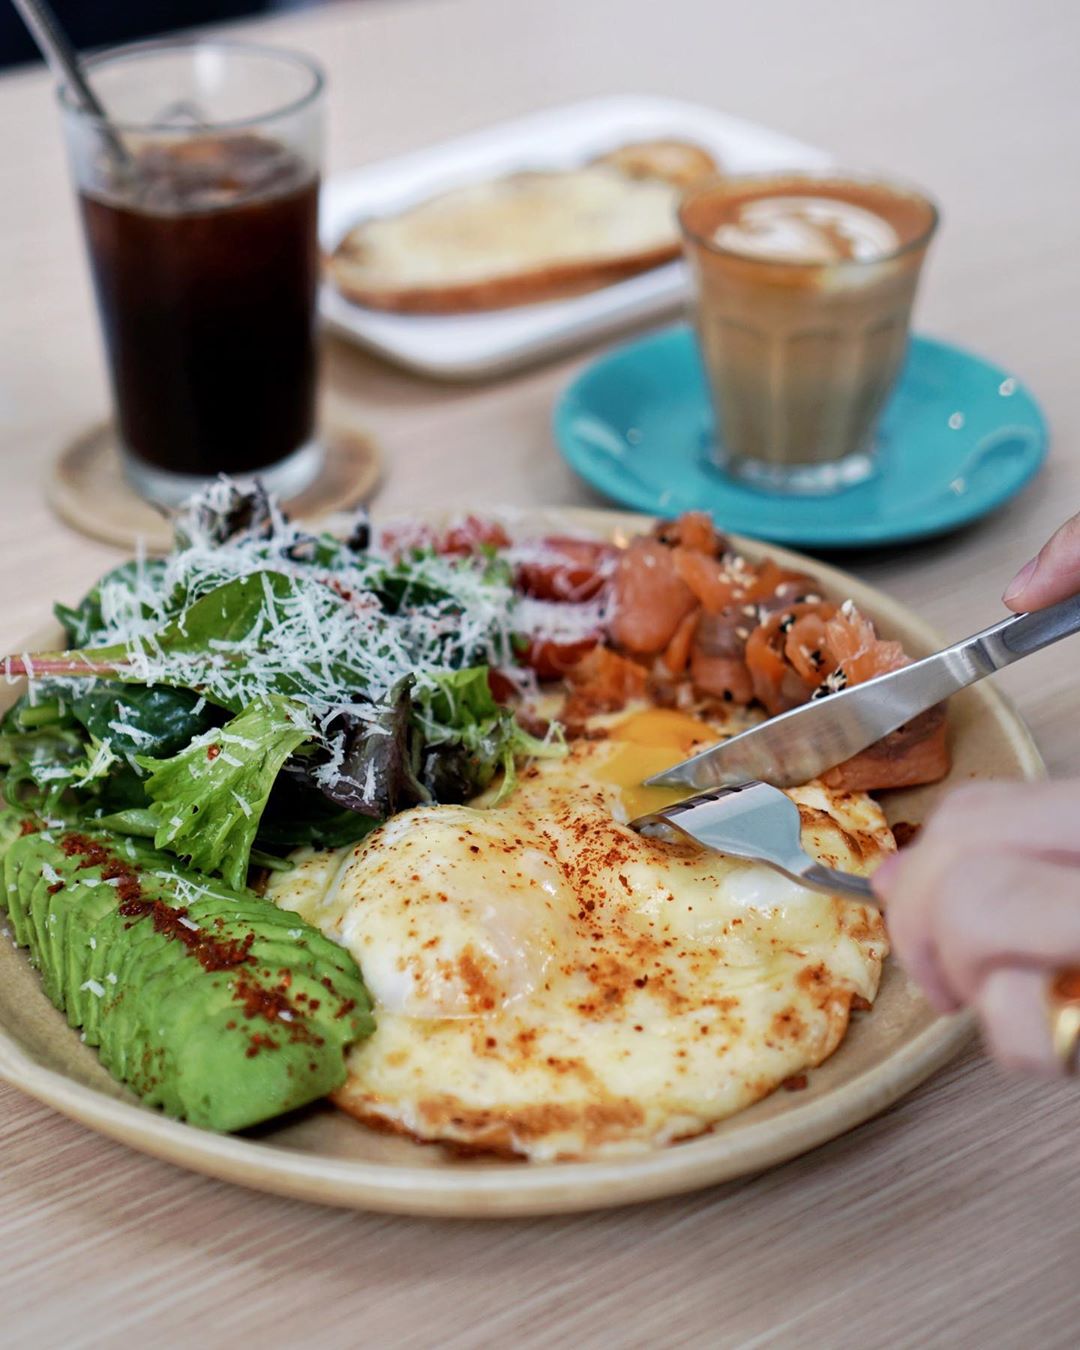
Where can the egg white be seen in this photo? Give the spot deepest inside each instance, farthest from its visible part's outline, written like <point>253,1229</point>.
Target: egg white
<point>549,983</point>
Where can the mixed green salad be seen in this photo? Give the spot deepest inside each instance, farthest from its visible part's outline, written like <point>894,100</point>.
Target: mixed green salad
<point>262,688</point>
<point>258,689</point>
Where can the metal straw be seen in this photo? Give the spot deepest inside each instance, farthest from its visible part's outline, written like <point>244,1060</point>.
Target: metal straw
<point>63,60</point>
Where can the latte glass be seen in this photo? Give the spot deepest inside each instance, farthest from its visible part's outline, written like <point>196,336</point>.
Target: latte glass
<point>802,349</point>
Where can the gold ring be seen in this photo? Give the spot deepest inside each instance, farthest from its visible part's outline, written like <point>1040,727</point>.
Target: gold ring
<point>1064,999</point>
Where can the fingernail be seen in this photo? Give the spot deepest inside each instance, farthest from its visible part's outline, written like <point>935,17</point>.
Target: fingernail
<point>1020,581</point>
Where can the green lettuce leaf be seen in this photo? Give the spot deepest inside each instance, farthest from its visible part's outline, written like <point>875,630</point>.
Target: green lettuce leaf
<point>84,621</point>
<point>470,736</point>
<point>142,719</point>
<point>43,751</point>
<point>207,800</point>
<point>377,773</point>
<point>213,637</point>
<point>228,613</point>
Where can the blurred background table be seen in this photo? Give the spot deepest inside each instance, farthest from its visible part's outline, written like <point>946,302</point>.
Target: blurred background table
<point>950,1219</point>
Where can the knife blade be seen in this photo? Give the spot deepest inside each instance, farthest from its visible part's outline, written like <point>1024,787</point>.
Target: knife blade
<point>799,745</point>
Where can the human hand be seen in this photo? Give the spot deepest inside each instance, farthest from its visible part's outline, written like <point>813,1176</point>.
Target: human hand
<point>985,907</point>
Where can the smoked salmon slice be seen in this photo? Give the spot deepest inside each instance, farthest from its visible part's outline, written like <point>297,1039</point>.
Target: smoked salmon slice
<point>677,653</point>
<point>915,754</point>
<point>778,683</point>
<point>649,598</point>
<point>724,677</point>
<point>711,582</point>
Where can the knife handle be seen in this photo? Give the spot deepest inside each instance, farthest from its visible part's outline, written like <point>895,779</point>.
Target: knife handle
<point>1032,632</point>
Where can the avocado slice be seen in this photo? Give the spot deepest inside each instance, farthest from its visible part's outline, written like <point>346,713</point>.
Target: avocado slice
<point>145,1018</point>
<point>231,1068</point>
<point>155,976</point>
<point>287,927</point>
<point>19,873</point>
<point>121,942</point>
<point>63,899</point>
<point>50,907</point>
<point>94,912</point>
<point>305,980</point>
<point>127,968</point>
<point>256,1087</point>
<point>28,877</point>
<point>114,938</point>
<point>115,968</point>
<point>182,1004</point>
<point>215,1046</point>
<point>9,890</point>
<point>36,874</point>
<point>89,898</point>
<point>183,1015</point>
<point>40,937</point>
<point>174,1001</point>
<point>118,1028</point>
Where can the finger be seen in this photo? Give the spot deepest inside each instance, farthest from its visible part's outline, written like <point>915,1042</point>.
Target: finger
<point>1004,910</point>
<point>915,950</point>
<point>885,877</point>
<point>1032,818</point>
<point>1015,1016</point>
<point>1037,819</point>
<point>897,885</point>
<point>1051,576</point>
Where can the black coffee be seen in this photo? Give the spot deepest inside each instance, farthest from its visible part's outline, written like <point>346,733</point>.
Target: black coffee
<point>205,273</point>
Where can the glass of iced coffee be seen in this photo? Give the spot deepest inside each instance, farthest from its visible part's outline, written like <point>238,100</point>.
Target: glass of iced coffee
<point>804,287</point>
<point>199,202</point>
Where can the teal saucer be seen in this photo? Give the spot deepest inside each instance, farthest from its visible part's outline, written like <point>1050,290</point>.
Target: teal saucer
<point>958,438</point>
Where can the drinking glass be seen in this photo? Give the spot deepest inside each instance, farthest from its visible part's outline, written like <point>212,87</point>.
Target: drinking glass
<point>199,202</point>
<point>801,354</point>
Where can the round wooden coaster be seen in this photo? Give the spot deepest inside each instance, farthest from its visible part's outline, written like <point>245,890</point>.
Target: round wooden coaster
<point>87,488</point>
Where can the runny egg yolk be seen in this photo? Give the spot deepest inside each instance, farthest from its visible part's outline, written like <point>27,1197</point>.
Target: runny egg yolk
<point>647,743</point>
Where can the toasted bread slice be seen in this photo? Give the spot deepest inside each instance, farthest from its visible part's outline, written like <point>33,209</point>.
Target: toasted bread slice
<point>515,240</point>
<point>679,162</point>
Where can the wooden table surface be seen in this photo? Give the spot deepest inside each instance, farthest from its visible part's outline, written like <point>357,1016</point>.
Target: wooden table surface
<point>953,1218</point>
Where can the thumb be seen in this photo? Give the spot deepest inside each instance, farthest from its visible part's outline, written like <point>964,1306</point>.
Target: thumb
<point>885,876</point>
<point>1052,576</point>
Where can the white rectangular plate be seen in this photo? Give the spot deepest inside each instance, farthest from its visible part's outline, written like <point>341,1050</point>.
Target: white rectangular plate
<point>472,346</point>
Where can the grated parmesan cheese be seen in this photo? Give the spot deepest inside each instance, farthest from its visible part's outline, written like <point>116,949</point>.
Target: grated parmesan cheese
<point>133,733</point>
<point>330,643</point>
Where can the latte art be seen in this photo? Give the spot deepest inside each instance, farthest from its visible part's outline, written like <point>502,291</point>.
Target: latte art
<point>807,229</point>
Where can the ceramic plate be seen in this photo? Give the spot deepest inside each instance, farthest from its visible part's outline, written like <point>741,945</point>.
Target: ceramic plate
<point>959,437</point>
<point>477,346</point>
<point>323,1155</point>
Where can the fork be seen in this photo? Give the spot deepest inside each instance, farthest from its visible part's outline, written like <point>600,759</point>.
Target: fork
<point>759,823</point>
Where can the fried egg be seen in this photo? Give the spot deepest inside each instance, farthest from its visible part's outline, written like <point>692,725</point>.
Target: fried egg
<point>549,983</point>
